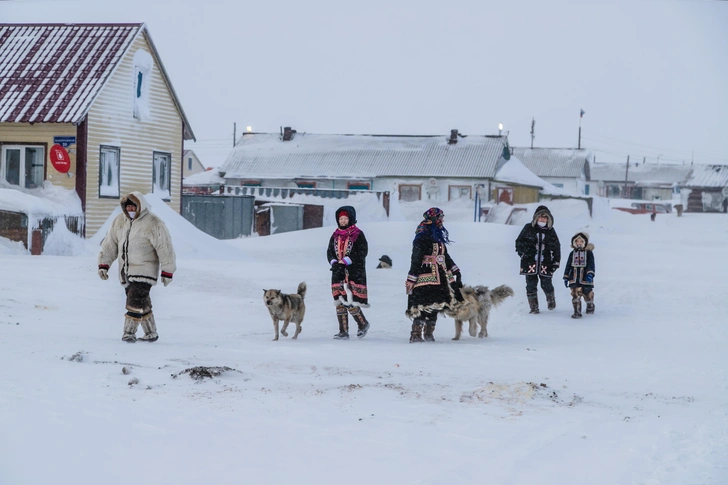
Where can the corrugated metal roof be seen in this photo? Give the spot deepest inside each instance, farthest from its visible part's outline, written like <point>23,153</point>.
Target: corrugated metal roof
<point>708,176</point>
<point>640,173</point>
<point>264,155</point>
<point>51,73</point>
<point>554,162</point>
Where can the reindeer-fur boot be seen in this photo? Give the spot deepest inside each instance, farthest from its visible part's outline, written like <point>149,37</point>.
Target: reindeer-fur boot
<point>576,301</point>
<point>551,300</point>
<point>533,302</point>
<point>429,330</point>
<point>343,316</point>
<point>589,299</point>
<point>416,335</point>
<point>150,328</point>
<point>361,321</point>
<point>131,324</point>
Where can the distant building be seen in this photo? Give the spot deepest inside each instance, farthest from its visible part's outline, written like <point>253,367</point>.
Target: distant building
<point>191,164</point>
<point>566,168</point>
<point>639,181</point>
<point>438,168</point>
<point>706,189</point>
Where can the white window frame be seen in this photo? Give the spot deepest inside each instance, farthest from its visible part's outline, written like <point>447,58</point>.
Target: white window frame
<point>165,187</point>
<point>21,171</point>
<point>109,192</point>
<point>460,189</point>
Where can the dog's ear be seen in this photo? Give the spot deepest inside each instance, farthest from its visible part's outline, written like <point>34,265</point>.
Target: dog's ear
<point>264,290</point>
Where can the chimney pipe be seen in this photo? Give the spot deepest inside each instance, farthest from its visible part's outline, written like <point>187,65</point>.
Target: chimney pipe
<point>453,137</point>
<point>288,133</point>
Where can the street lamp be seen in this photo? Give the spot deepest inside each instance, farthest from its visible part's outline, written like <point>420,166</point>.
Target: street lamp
<point>500,129</point>
<point>250,129</point>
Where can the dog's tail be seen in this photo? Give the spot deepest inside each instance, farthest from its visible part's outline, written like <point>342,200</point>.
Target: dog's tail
<point>500,293</point>
<point>302,289</point>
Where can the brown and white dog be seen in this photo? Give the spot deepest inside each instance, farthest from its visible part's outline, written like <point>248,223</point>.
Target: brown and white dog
<point>475,308</point>
<point>289,308</point>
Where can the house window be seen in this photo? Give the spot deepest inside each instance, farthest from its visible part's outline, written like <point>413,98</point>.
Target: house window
<point>359,185</point>
<point>459,192</point>
<point>561,186</point>
<point>109,172</point>
<point>161,174</point>
<point>250,183</point>
<point>586,189</point>
<point>306,185</point>
<point>142,75</point>
<point>410,193</point>
<point>23,165</point>
<point>189,163</point>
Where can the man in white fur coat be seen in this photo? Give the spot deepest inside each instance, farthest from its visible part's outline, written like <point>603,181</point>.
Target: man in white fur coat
<point>139,240</point>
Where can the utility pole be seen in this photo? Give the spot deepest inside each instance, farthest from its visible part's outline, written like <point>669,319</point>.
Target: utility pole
<point>235,132</point>
<point>626,177</point>
<point>533,130</point>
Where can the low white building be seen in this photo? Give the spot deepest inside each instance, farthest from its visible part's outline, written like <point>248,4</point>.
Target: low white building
<point>566,168</point>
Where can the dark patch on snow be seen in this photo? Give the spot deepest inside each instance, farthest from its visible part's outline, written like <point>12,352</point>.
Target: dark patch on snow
<point>201,372</point>
<point>77,357</point>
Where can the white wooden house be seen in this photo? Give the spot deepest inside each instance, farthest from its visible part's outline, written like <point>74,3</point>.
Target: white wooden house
<point>90,108</point>
<point>191,164</point>
<point>638,181</point>
<point>438,168</point>
<point>706,189</point>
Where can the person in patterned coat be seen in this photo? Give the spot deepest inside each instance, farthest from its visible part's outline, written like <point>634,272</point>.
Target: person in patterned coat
<point>540,252</point>
<point>579,273</point>
<point>434,280</point>
<point>347,253</point>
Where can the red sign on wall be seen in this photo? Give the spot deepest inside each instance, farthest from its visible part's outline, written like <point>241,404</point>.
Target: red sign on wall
<point>60,159</point>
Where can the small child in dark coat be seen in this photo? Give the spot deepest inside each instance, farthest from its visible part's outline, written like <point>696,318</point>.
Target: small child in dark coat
<point>579,273</point>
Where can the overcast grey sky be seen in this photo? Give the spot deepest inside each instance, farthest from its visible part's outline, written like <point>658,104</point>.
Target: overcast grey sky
<point>651,75</point>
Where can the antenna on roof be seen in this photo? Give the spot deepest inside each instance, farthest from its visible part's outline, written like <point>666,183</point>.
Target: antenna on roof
<point>533,130</point>
<point>235,132</point>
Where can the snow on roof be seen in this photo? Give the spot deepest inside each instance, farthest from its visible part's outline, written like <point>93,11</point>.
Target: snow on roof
<point>265,155</point>
<point>708,176</point>
<point>554,162</point>
<point>208,177</point>
<point>515,172</point>
<point>640,173</point>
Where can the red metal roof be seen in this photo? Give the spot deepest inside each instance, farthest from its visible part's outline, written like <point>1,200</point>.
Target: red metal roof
<point>50,73</point>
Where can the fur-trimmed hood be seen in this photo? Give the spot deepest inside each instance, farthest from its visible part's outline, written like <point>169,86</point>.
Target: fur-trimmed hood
<point>542,210</point>
<point>584,235</point>
<point>349,211</point>
<point>138,199</point>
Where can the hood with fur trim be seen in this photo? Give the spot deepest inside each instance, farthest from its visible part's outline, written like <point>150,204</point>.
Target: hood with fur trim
<point>349,211</point>
<point>138,199</point>
<point>584,235</point>
<point>542,210</point>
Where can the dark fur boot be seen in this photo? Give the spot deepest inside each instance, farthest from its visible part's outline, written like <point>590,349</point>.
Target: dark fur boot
<point>343,317</point>
<point>361,321</point>
<point>429,331</point>
<point>589,303</point>
<point>533,302</point>
<point>416,335</point>
<point>576,301</point>
<point>551,300</point>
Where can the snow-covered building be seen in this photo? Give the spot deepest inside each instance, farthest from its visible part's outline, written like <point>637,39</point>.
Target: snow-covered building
<point>89,108</point>
<point>706,189</point>
<point>191,164</point>
<point>438,168</point>
<point>566,168</point>
<point>638,181</point>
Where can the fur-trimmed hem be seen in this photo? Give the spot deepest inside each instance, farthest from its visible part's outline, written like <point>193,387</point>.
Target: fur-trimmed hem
<point>342,301</point>
<point>417,311</point>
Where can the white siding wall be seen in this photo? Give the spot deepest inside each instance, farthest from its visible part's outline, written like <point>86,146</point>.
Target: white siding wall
<point>111,122</point>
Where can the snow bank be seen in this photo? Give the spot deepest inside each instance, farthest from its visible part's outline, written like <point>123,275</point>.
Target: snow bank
<point>189,242</point>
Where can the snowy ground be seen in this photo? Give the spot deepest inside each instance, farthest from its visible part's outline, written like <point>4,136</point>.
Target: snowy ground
<point>635,394</point>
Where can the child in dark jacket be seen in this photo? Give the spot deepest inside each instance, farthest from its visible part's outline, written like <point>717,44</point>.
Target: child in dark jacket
<point>579,273</point>
<point>347,254</point>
